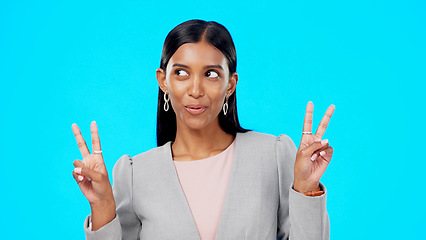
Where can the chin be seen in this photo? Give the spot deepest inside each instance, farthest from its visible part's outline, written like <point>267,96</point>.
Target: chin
<point>197,123</point>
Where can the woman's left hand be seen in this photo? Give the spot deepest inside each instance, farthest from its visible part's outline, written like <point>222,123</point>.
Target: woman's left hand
<point>314,154</point>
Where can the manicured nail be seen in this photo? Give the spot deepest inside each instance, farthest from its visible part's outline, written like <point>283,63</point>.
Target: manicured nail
<point>80,178</point>
<point>314,157</point>
<point>322,153</point>
<point>77,170</point>
<point>325,141</point>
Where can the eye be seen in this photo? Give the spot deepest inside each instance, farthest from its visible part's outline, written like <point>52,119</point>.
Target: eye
<point>181,73</point>
<point>212,74</point>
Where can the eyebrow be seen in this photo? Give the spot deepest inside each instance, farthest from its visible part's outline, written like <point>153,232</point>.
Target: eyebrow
<point>208,66</point>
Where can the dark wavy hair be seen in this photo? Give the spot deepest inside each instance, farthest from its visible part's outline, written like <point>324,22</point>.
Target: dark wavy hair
<point>194,31</point>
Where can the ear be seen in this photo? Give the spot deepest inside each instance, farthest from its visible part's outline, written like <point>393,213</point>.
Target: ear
<point>161,79</point>
<point>233,80</point>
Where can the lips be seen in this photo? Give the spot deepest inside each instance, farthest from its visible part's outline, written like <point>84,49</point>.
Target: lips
<point>195,109</point>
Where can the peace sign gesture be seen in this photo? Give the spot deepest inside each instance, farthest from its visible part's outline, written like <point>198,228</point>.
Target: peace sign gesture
<point>314,154</point>
<point>91,174</point>
<point>92,178</point>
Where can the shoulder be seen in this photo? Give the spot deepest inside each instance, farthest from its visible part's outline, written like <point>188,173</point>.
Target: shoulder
<point>126,161</point>
<point>153,153</point>
<point>123,164</point>
<point>266,146</point>
<point>252,137</point>
<point>257,138</point>
<point>152,161</point>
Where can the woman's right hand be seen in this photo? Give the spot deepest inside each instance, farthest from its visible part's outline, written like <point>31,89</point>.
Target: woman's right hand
<point>92,178</point>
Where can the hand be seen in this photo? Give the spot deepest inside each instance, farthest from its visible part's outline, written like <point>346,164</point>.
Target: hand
<point>314,154</point>
<point>91,174</point>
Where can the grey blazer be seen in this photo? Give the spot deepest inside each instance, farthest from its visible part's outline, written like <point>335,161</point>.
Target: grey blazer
<point>260,202</point>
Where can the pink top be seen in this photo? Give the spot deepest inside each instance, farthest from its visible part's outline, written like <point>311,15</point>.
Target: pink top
<point>204,183</point>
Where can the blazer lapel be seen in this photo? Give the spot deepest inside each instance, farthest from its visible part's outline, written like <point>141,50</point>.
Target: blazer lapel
<point>234,196</point>
<point>234,199</point>
<point>179,198</point>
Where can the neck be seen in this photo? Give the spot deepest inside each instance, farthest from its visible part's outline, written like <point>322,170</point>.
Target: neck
<point>198,144</point>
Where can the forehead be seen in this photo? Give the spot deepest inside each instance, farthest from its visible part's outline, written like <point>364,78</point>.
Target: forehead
<point>201,53</point>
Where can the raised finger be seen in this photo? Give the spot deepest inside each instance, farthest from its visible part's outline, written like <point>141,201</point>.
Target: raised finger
<point>96,144</point>
<point>307,124</point>
<point>324,122</point>
<point>80,141</point>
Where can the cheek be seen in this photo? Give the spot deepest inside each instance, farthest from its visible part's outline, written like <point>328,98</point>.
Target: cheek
<point>217,87</point>
<point>174,101</point>
<point>218,93</point>
<point>176,90</point>
<point>218,103</point>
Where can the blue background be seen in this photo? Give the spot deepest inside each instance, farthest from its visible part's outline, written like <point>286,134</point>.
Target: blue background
<point>64,62</point>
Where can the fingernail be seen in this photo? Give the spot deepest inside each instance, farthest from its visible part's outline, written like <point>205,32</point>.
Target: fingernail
<point>325,141</point>
<point>314,157</point>
<point>77,170</point>
<point>80,178</point>
<point>322,153</point>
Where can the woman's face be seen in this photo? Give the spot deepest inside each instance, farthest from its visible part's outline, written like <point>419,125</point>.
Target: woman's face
<point>197,79</point>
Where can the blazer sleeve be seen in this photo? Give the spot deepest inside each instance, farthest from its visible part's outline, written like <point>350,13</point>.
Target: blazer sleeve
<point>126,224</point>
<point>299,217</point>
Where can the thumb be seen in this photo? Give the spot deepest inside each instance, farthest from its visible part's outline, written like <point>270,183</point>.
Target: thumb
<point>309,150</point>
<point>78,163</point>
<point>89,173</point>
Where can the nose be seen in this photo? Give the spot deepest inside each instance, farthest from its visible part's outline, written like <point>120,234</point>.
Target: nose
<point>196,89</point>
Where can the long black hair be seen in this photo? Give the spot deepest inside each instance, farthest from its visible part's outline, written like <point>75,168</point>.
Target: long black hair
<point>194,31</point>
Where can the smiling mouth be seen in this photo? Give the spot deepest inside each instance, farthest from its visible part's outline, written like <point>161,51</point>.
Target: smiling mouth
<point>195,109</point>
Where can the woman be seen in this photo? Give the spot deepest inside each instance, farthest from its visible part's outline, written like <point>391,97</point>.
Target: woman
<point>209,178</point>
